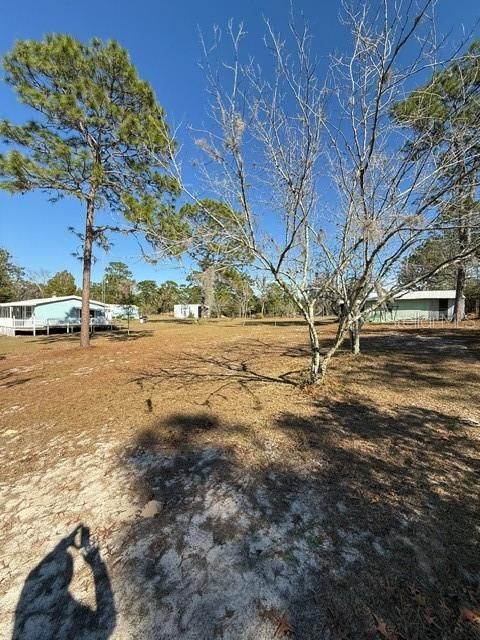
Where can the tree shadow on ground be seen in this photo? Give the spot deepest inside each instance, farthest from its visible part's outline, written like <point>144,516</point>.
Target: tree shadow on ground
<point>9,379</point>
<point>47,609</point>
<point>424,342</point>
<point>235,369</point>
<point>401,359</point>
<point>170,321</point>
<point>134,334</point>
<point>360,517</point>
<point>405,359</point>
<point>117,335</point>
<point>403,493</point>
<point>286,322</point>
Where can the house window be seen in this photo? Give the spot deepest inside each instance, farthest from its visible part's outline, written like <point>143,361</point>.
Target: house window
<point>28,312</point>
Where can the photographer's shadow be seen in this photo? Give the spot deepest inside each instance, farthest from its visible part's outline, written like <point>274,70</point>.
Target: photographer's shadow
<point>47,609</point>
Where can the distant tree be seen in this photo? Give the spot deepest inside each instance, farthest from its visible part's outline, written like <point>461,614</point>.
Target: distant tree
<point>189,293</point>
<point>98,130</point>
<point>275,301</point>
<point>127,299</point>
<point>36,282</point>
<point>117,278</point>
<point>61,284</point>
<point>213,245</point>
<point>27,289</point>
<point>162,298</point>
<point>424,258</point>
<point>168,294</point>
<point>234,294</point>
<point>148,296</point>
<point>11,277</point>
<point>96,291</point>
<point>472,293</point>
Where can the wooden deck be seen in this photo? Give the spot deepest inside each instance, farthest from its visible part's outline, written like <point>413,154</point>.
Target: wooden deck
<point>14,326</point>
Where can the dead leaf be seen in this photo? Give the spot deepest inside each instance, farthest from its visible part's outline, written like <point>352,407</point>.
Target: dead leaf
<point>429,618</point>
<point>284,628</point>
<point>470,615</point>
<point>383,630</point>
<point>419,598</point>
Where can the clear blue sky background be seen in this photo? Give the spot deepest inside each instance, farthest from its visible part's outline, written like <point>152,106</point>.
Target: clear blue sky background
<point>162,38</point>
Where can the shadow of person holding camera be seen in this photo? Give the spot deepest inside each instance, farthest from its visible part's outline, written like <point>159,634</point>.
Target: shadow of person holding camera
<point>46,608</point>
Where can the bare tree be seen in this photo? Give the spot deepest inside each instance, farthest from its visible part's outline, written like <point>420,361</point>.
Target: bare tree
<point>262,154</point>
<point>38,280</point>
<point>272,133</point>
<point>391,180</point>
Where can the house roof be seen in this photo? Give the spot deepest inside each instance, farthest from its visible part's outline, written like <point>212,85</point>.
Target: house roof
<point>34,302</point>
<point>442,294</point>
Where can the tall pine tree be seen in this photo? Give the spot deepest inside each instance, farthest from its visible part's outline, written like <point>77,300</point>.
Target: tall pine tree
<point>98,126</point>
<point>446,113</point>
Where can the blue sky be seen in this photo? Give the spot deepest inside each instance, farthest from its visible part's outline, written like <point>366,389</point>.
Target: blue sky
<point>162,38</point>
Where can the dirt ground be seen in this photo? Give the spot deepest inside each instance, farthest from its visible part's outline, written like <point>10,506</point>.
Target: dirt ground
<point>176,483</point>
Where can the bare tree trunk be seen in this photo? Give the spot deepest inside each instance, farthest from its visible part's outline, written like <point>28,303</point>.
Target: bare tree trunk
<point>87,267</point>
<point>315,352</point>
<point>339,338</point>
<point>459,307</point>
<point>355,337</point>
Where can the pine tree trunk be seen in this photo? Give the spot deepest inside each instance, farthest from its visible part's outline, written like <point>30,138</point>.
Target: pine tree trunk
<point>87,268</point>
<point>208,290</point>
<point>459,307</point>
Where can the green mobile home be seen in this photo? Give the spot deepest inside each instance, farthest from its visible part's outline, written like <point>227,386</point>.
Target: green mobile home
<point>415,305</point>
<point>43,314</point>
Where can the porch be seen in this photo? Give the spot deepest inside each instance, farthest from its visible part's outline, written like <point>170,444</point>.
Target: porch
<point>14,326</point>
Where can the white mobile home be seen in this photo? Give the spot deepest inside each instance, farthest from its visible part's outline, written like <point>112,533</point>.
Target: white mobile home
<point>415,305</point>
<point>43,314</point>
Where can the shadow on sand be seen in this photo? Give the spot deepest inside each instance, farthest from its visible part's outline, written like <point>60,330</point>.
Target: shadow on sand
<point>364,515</point>
<point>47,610</point>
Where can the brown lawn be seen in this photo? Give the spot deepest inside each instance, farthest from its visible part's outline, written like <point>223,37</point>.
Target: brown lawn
<point>350,510</point>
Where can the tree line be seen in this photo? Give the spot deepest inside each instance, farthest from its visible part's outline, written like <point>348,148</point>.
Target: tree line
<point>334,186</point>
<point>235,294</point>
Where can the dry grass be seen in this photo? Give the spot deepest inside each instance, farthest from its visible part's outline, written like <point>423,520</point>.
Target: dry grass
<point>389,444</point>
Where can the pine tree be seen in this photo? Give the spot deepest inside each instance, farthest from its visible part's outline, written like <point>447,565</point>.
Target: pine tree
<point>97,129</point>
<point>447,108</point>
<point>61,284</point>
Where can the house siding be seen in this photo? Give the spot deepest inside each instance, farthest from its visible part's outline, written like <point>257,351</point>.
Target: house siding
<point>64,311</point>
<point>420,309</point>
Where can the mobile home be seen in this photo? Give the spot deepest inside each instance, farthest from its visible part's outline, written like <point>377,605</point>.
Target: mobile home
<point>43,314</point>
<point>415,305</point>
